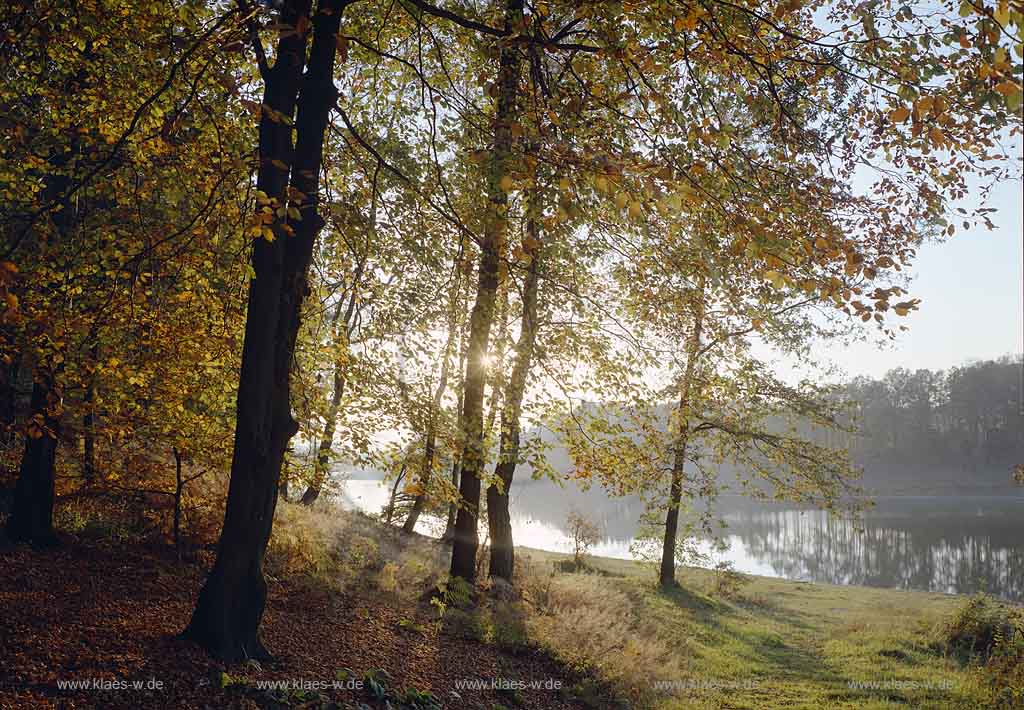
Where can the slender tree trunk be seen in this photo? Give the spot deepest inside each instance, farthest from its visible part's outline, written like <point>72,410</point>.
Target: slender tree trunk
<point>389,513</point>
<point>323,454</point>
<point>8,393</point>
<point>342,332</point>
<point>502,562</point>
<point>285,476</point>
<point>456,477</point>
<point>88,423</point>
<point>230,605</point>
<point>466,540</point>
<point>179,486</point>
<point>667,578</point>
<point>453,509</point>
<point>430,444</point>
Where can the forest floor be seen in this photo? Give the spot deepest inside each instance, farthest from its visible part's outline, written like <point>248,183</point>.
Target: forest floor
<point>105,614</point>
<point>352,628</point>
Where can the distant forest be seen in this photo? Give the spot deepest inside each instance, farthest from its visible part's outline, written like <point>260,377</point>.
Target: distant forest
<point>920,432</point>
<point>958,427</point>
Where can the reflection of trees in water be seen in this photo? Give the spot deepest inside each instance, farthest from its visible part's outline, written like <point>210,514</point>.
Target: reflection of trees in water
<point>946,554</point>
<point>943,545</point>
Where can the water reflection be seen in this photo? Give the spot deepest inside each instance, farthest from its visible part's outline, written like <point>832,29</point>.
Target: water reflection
<point>934,544</point>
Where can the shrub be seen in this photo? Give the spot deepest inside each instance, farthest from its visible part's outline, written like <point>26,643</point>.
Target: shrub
<point>727,581</point>
<point>990,633</point>
<point>979,626</point>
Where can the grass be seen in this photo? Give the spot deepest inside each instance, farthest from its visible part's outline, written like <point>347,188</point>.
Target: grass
<point>771,644</point>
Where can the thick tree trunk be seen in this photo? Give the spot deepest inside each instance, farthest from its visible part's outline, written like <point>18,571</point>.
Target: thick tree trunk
<point>32,512</point>
<point>32,515</point>
<point>466,538</point>
<point>667,577</point>
<point>230,606</point>
<point>502,562</point>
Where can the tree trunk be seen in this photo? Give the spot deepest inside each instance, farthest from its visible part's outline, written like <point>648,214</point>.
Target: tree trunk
<point>8,392</point>
<point>88,423</point>
<point>32,511</point>
<point>342,330</point>
<point>323,454</point>
<point>466,539</point>
<point>179,486</point>
<point>389,512</point>
<point>430,445</point>
<point>456,477</point>
<point>285,476</point>
<point>502,562</point>
<point>453,509</point>
<point>32,515</point>
<point>230,606</point>
<point>667,578</point>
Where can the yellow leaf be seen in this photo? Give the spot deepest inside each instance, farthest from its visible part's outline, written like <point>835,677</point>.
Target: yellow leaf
<point>506,183</point>
<point>1006,87</point>
<point>899,115</point>
<point>1002,13</point>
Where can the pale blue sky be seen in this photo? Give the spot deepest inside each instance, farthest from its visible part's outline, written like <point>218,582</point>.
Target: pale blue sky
<point>972,300</point>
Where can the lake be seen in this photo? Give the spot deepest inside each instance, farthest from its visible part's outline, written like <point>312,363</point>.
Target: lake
<point>940,544</point>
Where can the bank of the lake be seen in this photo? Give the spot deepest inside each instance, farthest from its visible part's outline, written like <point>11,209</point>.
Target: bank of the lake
<point>924,543</point>
<point>766,643</point>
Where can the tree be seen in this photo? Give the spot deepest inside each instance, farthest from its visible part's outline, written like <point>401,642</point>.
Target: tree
<point>492,247</point>
<point>121,102</point>
<point>584,535</point>
<point>230,605</point>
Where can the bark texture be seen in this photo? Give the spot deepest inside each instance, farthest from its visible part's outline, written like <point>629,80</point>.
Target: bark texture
<point>31,517</point>
<point>466,537</point>
<point>230,605</point>
<point>687,388</point>
<point>502,560</point>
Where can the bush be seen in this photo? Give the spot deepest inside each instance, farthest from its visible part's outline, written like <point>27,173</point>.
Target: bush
<point>981,626</point>
<point>990,633</point>
<point>728,582</point>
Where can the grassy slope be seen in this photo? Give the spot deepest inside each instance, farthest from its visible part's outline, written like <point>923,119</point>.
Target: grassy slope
<point>802,643</point>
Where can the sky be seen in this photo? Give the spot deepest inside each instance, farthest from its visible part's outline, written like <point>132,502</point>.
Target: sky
<point>972,301</point>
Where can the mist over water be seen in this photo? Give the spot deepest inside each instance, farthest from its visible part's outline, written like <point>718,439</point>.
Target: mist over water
<point>928,543</point>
